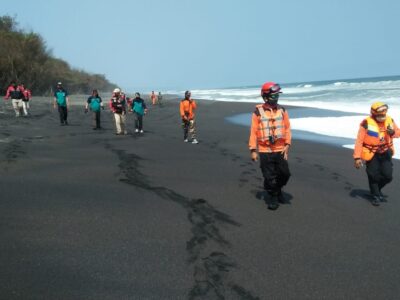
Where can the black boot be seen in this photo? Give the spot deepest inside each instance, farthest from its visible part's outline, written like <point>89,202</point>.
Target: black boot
<point>281,198</point>
<point>382,197</point>
<point>273,202</point>
<point>376,201</point>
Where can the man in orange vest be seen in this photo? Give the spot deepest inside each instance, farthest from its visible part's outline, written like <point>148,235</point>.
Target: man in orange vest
<point>374,145</point>
<point>186,109</point>
<point>270,134</point>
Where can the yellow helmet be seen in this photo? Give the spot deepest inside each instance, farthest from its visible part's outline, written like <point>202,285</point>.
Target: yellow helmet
<point>378,111</point>
<point>379,108</point>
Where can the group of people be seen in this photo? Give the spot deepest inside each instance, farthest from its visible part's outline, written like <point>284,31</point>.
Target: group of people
<point>156,99</point>
<point>270,140</point>
<point>20,97</point>
<point>270,133</point>
<point>119,105</point>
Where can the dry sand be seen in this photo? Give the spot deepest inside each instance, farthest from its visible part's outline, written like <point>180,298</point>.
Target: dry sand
<point>89,215</point>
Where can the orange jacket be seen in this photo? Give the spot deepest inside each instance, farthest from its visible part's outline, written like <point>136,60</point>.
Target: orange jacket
<point>270,129</point>
<point>372,137</point>
<point>187,108</point>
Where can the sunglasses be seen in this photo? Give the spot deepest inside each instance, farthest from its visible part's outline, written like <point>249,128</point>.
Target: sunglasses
<point>275,89</point>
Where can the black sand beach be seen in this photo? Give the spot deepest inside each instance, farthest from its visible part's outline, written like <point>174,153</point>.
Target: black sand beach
<point>86,214</point>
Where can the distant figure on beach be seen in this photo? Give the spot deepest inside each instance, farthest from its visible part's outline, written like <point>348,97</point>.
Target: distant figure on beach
<point>16,93</point>
<point>159,98</point>
<point>95,104</point>
<point>153,98</point>
<point>374,145</point>
<point>139,109</point>
<point>61,100</point>
<point>26,99</point>
<point>187,108</point>
<point>118,107</point>
<point>270,135</point>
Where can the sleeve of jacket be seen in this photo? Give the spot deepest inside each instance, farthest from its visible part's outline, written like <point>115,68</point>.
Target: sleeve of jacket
<point>288,131</point>
<point>396,131</point>
<point>253,132</point>
<point>181,110</point>
<point>359,141</point>
<point>110,104</point>
<point>194,105</point>
<point>8,93</point>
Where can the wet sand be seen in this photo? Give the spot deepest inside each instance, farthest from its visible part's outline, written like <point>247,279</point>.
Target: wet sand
<point>90,215</point>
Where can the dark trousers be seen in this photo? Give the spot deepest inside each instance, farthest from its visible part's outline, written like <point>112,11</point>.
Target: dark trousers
<point>63,112</point>
<point>275,170</point>
<point>96,119</point>
<point>379,171</point>
<point>189,127</point>
<point>138,121</point>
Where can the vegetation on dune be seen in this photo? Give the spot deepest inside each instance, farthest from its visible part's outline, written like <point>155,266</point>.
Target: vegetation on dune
<point>25,58</point>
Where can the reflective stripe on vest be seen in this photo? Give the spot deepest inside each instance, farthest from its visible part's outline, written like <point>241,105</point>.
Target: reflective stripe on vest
<point>271,126</point>
<point>376,139</point>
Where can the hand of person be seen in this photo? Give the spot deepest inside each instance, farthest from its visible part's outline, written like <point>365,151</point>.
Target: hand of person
<point>285,152</point>
<point>358,163</point>
<point>86,110</point>
<point>254,156</point>
<point>390,131</point>
<point>102,107</point>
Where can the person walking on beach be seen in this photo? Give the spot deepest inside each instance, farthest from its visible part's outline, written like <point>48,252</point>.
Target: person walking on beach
<point>118,107</point>
<point>95,104</point>
<point>374,145</point>
<point>270,135</point>
<point>187,108</point>
<point>26,100</point>
<point>159,99</point>
<point>61,100</point>
<point>16,93</point>
<point>139,109</point>
<point>153,98</point>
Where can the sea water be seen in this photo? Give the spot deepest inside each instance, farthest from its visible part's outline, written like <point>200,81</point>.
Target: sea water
<point>335,108</point>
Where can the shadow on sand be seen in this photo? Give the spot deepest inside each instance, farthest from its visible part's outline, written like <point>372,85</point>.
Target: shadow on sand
<point>263,195</point>
<point>364,195</point>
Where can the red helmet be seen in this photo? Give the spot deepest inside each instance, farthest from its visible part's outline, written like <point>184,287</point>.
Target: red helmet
<point>270,88</point>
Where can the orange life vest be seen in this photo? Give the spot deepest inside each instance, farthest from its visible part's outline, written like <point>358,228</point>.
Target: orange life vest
<point>187,108</point>
<point>271,127</point>
<point>376,140</point>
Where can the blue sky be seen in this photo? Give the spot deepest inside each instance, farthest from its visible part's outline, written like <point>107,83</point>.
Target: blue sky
<point>183,44</point>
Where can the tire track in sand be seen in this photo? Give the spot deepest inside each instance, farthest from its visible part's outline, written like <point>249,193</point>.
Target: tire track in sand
<point>206,247</point>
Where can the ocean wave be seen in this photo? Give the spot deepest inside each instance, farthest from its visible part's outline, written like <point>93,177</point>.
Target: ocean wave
<point>339,83</point>
<point>348,96</point>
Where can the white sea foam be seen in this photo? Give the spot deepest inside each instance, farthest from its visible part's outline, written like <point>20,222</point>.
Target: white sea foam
<point>346,127</point>
<point>354,96</point>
